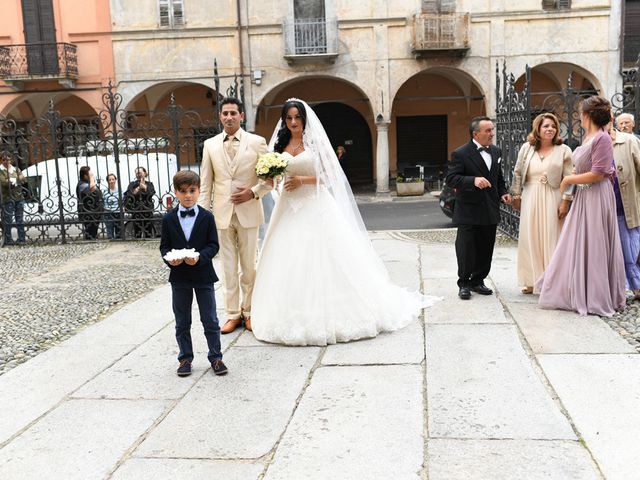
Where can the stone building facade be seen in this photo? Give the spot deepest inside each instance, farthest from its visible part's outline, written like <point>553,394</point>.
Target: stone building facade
<point>395,82</point>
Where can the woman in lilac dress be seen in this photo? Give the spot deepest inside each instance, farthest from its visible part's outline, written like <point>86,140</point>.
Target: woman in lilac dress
<point>586,273</point>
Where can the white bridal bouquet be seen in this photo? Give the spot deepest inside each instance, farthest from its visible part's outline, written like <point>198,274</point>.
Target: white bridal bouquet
<point>271,165</point>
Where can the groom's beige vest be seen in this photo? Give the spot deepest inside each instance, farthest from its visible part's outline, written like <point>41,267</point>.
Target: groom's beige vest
<point>220,175</point>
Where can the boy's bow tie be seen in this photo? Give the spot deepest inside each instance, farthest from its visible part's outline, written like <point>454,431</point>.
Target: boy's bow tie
<point>191,212</point>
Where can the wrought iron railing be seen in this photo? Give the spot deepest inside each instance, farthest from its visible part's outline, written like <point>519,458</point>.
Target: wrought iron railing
<point>441,32</point>
<point>50,150</point>
<point>516,109</point>
<point>4,62</point>
<point>38,60</point>
<point>628,100</point>
<point>311,36</point>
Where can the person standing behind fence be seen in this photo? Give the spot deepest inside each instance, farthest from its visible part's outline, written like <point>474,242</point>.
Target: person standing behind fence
<point>586,273</point>
<point>626,123</point>
<point>138,200</point>
<point>475,170</point>
<point>626,152</point>
<point>111,196</point>
<point>11,198</point>
<point>542,163</point>
<point>89,203</point>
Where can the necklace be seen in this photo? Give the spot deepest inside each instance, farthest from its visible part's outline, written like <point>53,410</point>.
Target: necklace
<point>543,155</point>
<point>298,147</point>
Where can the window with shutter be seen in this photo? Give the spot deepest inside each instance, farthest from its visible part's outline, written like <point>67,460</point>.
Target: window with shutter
<point>305,9</point>
<point>556,4</point>
<point>40,37</point>
<point>438,6</point>
<point>430,6</point>
<point>171,13</point>
<point>631,46</point>
<point>447,6</point>
<point>178,13</point>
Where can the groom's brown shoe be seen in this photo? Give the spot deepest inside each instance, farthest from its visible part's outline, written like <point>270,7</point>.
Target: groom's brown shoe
<point>230,325</point>
<point>247,323</point>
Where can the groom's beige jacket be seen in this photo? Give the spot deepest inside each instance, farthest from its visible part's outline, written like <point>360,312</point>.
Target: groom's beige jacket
<point>221,175</point>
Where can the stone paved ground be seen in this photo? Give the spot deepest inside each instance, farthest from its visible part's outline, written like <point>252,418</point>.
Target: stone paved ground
<point>51,292</point>
<point>492,388</point>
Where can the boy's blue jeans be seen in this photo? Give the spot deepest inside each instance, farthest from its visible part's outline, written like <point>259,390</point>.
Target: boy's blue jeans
<point>182,301</point>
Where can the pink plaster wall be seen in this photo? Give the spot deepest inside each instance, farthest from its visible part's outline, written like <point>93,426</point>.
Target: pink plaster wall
<point>85,23</point>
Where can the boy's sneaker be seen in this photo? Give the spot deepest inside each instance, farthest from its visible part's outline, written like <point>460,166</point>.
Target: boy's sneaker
<point>184,370</point>
<point>219,368</point>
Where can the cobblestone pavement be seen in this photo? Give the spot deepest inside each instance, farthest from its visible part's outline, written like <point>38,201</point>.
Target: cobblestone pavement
<point>626,322</point>
<point>51,292</point>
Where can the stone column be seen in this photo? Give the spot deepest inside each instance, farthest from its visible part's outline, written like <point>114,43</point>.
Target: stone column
<point>382,158</point>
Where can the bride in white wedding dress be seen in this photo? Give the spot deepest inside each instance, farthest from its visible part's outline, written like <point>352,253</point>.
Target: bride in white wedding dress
<point>319,280</point>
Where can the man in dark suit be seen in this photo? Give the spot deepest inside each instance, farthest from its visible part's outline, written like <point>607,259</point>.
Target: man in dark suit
<point>475,171</point>
<point>190,227</point>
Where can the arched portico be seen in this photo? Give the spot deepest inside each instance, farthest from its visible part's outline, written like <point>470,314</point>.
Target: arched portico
<point>551,78</point>
<point>430,118</point>
<point>345,112</point>
<point>559,87</point>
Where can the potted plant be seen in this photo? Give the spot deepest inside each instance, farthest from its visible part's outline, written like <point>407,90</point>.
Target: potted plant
<point>406,186</point>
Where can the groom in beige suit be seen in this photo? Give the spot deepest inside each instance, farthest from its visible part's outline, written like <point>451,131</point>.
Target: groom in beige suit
<point>229,181</point>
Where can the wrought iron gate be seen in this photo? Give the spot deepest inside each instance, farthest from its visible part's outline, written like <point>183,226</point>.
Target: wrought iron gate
<point>515,111</point>
<point>51,150</point>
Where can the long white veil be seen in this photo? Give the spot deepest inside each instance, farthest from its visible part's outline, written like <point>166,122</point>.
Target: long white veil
<point>328,172</point>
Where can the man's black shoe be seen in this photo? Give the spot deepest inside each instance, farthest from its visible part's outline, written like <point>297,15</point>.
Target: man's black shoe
<point>464,293</point>
<point>184,370</point>
<point>219,368</point>
<point>482,289</point>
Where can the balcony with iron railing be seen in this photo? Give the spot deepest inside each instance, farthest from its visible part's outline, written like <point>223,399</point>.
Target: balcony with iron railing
<point>39,61</point>
<point>441,34</point>
<point>310,40</point>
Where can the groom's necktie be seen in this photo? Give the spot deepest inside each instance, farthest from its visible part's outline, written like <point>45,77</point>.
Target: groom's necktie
<point>230,146</point>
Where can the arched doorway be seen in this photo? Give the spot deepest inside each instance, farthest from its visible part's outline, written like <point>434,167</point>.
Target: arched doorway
<point>559,88</point>
<point>345,126</point>
<point>343,109</point>
<point>430,118</point>
<point>175,117</point>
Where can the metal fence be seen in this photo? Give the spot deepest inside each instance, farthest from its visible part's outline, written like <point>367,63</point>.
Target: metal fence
<point>51,204</point>
<point>516,109</point>
<point>38,60</point>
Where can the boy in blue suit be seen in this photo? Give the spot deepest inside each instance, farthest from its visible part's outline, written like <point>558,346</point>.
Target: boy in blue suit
<point>189,226</point>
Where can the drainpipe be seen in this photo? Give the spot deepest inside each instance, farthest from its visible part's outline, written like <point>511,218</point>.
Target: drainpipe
<point>239,29</point>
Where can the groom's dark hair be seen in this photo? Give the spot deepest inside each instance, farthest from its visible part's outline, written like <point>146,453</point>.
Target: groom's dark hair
<point>234,100</point>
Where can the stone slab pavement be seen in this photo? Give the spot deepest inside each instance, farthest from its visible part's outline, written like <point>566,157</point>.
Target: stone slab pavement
<point>491,388</point>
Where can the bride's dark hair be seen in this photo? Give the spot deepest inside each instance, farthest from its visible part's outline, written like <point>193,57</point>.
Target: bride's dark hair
<point>284,134</point>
